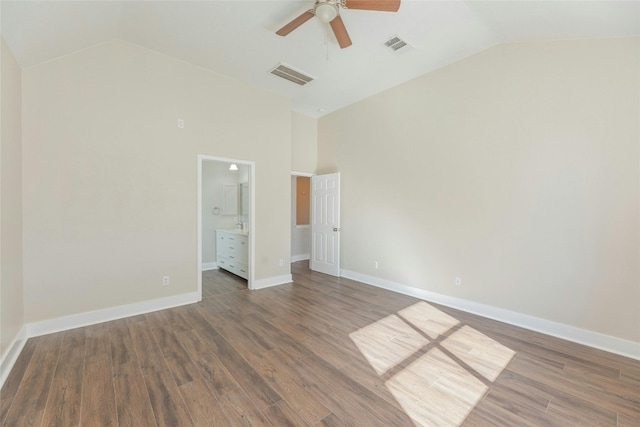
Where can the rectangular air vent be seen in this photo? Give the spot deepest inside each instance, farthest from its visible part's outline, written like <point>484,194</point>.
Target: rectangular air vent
<point>395,43</point>
<point>291,74</point>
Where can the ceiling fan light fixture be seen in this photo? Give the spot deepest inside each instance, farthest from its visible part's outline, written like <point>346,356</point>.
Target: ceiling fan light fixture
<point>326,11</point>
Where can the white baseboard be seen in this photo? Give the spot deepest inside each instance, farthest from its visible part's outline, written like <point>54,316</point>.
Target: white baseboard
<point>73,321</point>
<point>571,333</point>
<point>272,281</point>
<point>112,313</point>
<point>302,257</point>
<point>9,358</point>
<point>209,266</point>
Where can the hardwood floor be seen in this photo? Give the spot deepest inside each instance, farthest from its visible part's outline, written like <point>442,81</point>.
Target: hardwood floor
<point>319,352</point>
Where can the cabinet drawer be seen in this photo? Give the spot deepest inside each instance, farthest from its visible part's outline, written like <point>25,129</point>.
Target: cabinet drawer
<point>237,250</point>
<point>236,268</point>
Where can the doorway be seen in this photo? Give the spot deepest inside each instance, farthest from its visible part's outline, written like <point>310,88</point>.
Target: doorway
<point>300,216</point>
<point>226,207</point>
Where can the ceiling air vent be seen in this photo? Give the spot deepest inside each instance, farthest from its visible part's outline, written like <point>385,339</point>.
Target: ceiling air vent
<point>291,74</point>
<point>395,43</point>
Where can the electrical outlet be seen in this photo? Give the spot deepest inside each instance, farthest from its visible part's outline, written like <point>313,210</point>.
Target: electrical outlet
<point>180,123</point>
<point>281,262</point>
<point>375,264</point>
<point>165,281</point>
<point>458,281</point>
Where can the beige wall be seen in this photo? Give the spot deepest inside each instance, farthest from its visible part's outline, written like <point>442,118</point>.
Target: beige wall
<point>516,169</point>
<point>110,193</point>
<point>304,155</point>
<point>11,284</point>
<point>304,143</point>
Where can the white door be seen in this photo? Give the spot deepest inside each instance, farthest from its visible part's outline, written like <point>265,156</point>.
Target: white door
<point>325,224</point>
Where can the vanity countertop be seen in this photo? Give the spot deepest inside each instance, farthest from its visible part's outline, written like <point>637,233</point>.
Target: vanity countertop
<point>235,231</point>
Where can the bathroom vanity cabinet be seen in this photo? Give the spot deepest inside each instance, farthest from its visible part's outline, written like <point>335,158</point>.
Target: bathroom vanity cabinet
<point>232,247</point>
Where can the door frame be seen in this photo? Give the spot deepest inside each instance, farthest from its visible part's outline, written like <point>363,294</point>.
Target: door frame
<point>252,214</point>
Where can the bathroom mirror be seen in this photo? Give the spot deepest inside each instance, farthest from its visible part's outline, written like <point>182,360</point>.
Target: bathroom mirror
<point>230,201</point>
<point>244,199</point>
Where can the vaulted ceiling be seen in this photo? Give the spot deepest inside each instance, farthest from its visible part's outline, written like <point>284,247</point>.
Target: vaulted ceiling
<point>237,38</point>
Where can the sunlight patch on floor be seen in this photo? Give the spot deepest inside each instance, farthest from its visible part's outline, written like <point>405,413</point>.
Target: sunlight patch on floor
<point>436,391</point>
<point>485,355</point>
<point>443,384</point>
<point>387,342</point>
<point>428,319</point>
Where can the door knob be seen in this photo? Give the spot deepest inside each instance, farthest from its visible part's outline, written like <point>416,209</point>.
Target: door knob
<point>336,229</point>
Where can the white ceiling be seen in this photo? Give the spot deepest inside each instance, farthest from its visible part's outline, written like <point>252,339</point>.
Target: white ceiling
<point>237,38</point>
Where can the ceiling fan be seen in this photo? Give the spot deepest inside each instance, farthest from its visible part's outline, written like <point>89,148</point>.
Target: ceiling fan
<point>328,11</point>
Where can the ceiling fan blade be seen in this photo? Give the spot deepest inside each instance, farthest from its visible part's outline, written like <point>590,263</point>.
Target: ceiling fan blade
<point>381,5</point>
<point>295,23</point>
<point>340,32</point>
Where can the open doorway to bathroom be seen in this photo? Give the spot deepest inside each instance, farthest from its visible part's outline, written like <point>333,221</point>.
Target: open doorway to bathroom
<point>225,224</point>
<point>300,217</point>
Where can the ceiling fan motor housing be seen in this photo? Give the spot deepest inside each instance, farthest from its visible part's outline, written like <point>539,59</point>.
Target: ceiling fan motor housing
<point>326,11</point>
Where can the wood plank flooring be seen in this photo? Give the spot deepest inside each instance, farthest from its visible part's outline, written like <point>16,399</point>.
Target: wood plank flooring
<point>319,352</point>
